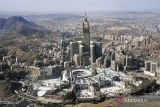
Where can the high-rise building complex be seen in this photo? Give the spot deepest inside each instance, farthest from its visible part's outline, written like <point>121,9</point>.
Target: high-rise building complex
<point>86,50</point>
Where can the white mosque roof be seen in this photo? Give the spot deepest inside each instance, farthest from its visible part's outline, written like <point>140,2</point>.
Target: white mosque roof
<point>41,93</point>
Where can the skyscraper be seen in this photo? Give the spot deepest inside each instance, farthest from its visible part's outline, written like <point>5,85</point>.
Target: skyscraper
<point>73,49</point>
<point>86,34</point>
<point>85,52</point>
<point>86,41</point>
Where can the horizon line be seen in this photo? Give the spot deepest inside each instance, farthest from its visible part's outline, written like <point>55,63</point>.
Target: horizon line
<point>56,12</point>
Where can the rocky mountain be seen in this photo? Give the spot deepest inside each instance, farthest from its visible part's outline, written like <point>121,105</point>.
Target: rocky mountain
<point>16,23</point>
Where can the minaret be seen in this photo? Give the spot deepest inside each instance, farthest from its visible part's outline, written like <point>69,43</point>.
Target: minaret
<point>86,41</point>
<point>62,46</point>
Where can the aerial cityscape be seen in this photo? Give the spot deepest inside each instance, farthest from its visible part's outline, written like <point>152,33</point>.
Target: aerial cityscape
<point>81,55</point>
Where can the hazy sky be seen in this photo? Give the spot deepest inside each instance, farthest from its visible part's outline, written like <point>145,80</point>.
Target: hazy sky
<point>77,5</point>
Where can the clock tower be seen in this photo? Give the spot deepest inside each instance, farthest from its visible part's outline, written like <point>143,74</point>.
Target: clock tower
<point>86,40</point>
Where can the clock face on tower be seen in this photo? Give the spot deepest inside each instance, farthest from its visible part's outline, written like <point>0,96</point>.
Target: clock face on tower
<point>86,25</point>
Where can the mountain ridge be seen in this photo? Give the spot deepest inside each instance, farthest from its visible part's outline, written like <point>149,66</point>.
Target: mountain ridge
<point>15,23</point>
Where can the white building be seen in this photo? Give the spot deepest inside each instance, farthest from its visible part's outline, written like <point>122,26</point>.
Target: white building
<point>151,68</point>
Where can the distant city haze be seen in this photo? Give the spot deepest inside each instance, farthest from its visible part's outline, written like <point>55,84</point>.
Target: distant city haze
<point>77,5</point>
